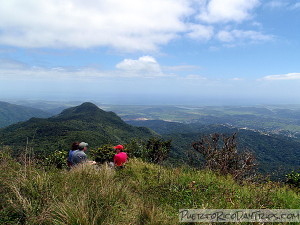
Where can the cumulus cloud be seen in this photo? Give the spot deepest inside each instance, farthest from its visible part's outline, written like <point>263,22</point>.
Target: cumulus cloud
<point>289,76</point>
<point>145,66</point>
<point>215,11</point>
<point>127,24</point>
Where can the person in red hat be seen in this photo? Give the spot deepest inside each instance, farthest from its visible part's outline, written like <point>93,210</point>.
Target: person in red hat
<point>120,157</point>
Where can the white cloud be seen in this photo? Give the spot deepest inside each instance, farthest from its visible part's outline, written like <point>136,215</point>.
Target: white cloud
<point>148,67</point>
<point>127,24</point>
<point>289,76</point>
<point>225,36</point>
<point>200,32</point>
<point>145,66</point>
<point>220,11</point>
<point>242,35</point>
<point>282,4</point>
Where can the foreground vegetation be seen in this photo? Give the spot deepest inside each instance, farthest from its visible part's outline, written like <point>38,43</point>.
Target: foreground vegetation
<point>142,193</point>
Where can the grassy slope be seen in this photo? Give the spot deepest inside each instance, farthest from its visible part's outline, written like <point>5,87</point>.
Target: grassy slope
<point>142,193</point>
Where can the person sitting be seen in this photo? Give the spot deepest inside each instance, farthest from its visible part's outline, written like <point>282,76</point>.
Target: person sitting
<point>74,147</point>
<point>79,156</point>
<point>120,157</point>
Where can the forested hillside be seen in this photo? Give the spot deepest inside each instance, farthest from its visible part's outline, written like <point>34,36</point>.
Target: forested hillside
<point>11,113</point>
<point>277,155</point>
<point>82,123</point>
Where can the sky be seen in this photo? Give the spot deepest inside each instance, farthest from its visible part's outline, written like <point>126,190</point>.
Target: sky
<point>211,52</point>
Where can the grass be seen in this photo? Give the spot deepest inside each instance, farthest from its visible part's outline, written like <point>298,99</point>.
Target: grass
<point>142,193</point>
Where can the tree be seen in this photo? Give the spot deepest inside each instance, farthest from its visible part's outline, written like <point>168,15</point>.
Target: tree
<point>158,149</point>
<point>220,154</point>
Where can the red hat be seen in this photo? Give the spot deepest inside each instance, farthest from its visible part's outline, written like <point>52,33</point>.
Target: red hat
<point>121,147</point>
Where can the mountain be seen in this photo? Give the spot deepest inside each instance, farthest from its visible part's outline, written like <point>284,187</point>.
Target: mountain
<point>11,113</point>
<point>277,155</point>
<point>85,122</point>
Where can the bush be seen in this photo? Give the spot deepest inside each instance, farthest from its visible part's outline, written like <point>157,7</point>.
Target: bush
<point>154,150</point>
<point>57,159</point>
<point>293,179</point>
<point>103,154</point>
<point>158,149</point>
<point>136,148</point>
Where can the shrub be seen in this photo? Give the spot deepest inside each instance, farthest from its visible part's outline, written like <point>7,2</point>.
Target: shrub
<point>293,179</point>
<point>57,159</point>
<point>154,150</point>
<point>157,149</point>
<point>136,148</point>
<point>102,154</point>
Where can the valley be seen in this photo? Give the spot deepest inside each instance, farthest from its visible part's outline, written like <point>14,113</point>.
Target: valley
<point>271,132</point>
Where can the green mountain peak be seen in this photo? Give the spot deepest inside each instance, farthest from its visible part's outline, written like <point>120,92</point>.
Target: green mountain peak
<point>85,122</point>
<point>86,107</point>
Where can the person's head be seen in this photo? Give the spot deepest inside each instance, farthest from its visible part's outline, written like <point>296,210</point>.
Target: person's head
<point>119,148</point>
<point>83,146</point>
<point>75,145</point>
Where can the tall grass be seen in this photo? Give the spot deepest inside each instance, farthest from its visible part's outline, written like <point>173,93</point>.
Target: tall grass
<point>188,188</point>
<point>142,193</point>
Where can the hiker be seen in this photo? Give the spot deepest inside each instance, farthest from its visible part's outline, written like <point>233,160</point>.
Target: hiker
<point>74,147</point>
<point>120,157</point>
<point>79,156</point>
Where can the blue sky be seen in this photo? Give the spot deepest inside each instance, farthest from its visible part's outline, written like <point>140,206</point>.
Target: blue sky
<point>151,52</point>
